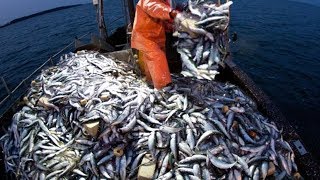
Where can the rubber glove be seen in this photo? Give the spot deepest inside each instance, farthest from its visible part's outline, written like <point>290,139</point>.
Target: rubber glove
<point>185,24</point>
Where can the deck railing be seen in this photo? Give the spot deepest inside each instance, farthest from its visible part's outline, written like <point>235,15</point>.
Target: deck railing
<point>12,96</point>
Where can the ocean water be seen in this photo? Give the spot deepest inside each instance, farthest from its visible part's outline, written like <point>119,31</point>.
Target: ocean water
<point>278,46</point>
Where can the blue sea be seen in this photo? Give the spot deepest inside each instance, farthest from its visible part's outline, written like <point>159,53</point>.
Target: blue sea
<point>278,46</point>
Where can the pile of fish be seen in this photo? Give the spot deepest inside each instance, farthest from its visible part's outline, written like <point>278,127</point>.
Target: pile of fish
<point>193,129</point>
<point>202,46</point>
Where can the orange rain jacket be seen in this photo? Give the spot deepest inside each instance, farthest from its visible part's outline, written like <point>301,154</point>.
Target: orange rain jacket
<point>148,36</point>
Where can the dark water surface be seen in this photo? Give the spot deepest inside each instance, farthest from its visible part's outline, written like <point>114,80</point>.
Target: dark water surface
<point>278,47</point>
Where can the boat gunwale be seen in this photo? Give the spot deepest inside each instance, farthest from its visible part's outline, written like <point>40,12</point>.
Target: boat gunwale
<point>307,165</point>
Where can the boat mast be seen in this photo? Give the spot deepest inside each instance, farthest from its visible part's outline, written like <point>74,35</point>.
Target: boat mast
<point>100,18</point>
<point>131,11</point>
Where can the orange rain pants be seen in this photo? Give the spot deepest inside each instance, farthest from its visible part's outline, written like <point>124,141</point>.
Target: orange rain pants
<point>148,36</point>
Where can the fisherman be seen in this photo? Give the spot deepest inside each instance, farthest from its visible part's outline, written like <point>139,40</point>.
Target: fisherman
<point>148,37</point>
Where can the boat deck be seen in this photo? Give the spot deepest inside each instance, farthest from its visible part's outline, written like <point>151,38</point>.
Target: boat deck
<point>307,165</point>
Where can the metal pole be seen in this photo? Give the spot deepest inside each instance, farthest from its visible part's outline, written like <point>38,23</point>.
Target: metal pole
<point>102,25</point>
<point>5,86</point>
<point>125,11</point>
<point>131,10</point>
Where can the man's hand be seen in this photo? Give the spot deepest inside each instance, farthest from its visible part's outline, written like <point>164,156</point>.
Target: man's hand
<point>173,13</point>
<point>185,24</point>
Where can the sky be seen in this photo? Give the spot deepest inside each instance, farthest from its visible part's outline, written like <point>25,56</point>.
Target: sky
<point>12,9</point>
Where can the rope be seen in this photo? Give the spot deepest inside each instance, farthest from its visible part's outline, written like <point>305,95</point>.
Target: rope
<point>115,19</point>
<point>35,71</point>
